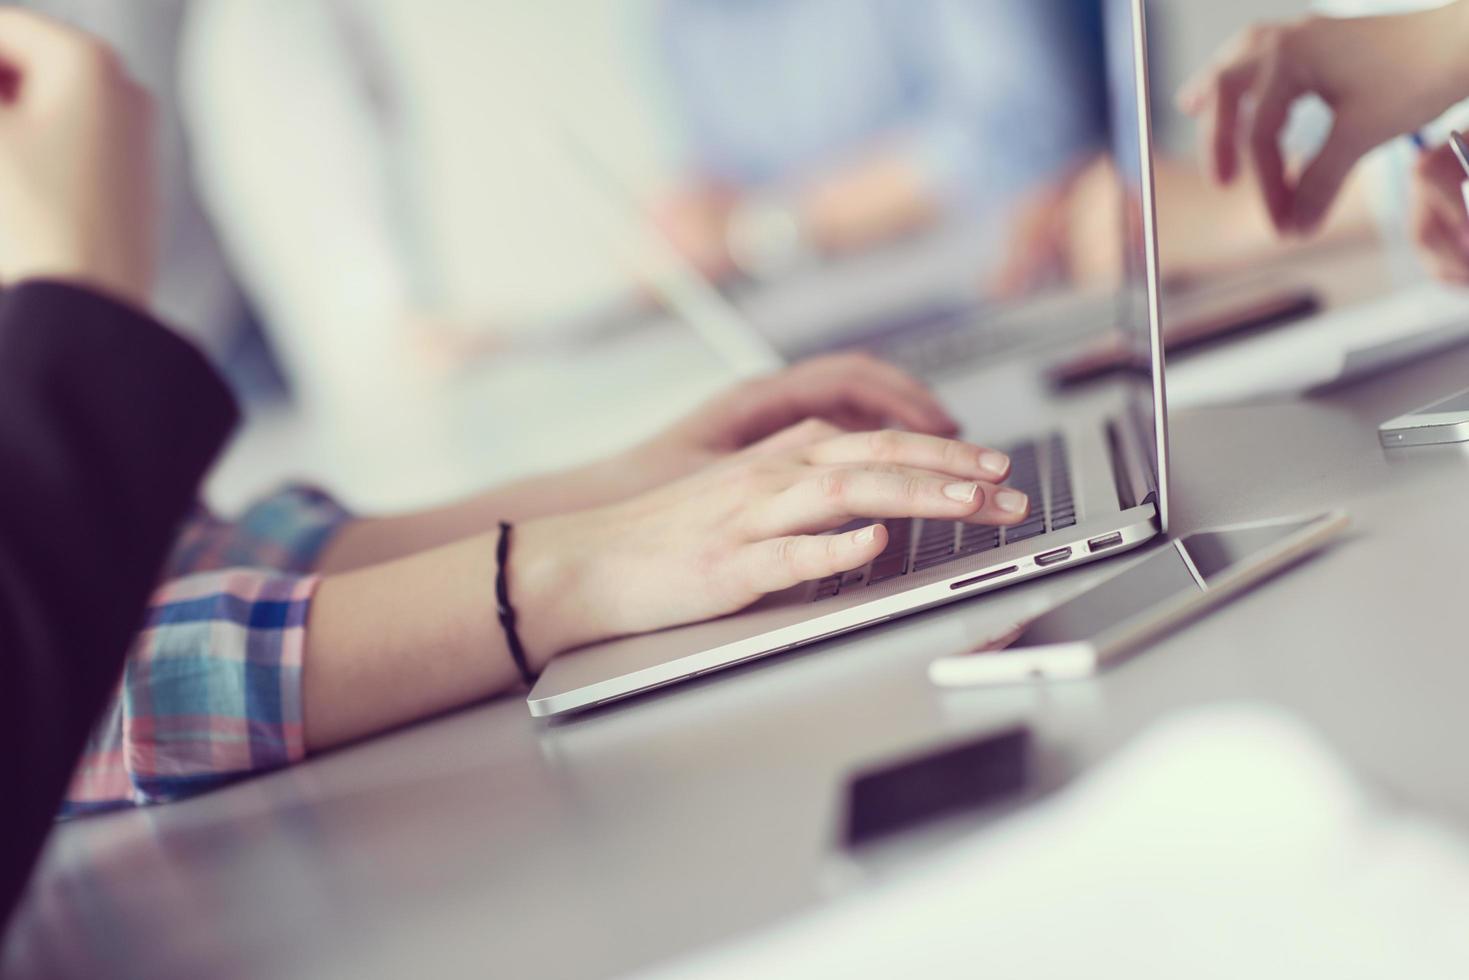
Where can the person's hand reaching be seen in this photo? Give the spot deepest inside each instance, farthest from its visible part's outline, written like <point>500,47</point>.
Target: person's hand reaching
<point>1381,77</point>
<point>852,391</point>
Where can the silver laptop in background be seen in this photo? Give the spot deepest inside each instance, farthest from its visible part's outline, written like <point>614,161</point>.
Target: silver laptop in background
<point>1097,489</point>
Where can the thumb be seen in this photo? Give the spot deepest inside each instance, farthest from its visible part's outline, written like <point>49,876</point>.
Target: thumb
<point>1322,179</point>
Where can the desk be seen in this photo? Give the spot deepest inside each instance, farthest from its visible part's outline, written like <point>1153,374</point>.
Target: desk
<point>485,843</point>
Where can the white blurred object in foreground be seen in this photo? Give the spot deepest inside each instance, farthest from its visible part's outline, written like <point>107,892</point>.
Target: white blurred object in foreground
<point>1225,842</point>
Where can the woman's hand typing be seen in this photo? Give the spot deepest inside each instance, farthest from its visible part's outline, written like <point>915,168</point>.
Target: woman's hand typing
<point>753,524</point>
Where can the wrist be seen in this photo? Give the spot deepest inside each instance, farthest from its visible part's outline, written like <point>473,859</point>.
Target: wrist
<point>114,284</point>
<point>617,477</point>
<point>547,577</point>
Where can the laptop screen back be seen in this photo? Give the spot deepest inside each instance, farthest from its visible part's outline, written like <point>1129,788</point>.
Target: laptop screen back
<point>1138,296</point>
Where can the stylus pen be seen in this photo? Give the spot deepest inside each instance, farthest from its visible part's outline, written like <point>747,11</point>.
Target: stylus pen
<point>1461,150</point>
<point>1461,153</point>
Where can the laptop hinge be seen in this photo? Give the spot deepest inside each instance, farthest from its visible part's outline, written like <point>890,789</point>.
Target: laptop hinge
<point>1133,486</point>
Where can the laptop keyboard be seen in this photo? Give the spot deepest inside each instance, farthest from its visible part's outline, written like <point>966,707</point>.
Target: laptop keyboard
<point>1040,468</point>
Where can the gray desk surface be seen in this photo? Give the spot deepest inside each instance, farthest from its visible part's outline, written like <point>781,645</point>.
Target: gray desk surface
<point>485,843</point>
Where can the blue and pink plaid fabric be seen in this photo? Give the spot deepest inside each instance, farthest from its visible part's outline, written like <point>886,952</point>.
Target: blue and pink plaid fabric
<point>212,687</point>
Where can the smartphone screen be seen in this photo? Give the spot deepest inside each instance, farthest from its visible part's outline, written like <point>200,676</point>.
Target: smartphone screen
<point>1185,566</point>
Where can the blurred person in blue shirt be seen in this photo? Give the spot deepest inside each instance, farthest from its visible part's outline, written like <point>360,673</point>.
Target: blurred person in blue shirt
<point>823,126</point>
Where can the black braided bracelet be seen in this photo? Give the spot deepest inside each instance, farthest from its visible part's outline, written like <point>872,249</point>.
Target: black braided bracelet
<point>505,609</point>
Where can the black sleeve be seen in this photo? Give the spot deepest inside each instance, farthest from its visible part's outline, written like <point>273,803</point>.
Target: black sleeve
<point>108,423</point>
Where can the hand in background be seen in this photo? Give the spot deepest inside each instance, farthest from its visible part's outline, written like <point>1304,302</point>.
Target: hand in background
<point>1381,77</point>
<point>851,391</point>
<point>1440,222</point>
<point>695,221</point>
<point>76,177</point>
<point>1068,232</point>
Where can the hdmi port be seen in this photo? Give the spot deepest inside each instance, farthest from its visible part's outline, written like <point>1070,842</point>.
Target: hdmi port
<point>1053,557</point>
<point>1105,541</point>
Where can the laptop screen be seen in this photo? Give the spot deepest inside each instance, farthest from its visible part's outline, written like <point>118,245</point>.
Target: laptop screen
<point>1138,312</point>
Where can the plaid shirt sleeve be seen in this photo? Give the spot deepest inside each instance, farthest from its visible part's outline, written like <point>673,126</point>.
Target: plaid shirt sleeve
<point>212,687</point>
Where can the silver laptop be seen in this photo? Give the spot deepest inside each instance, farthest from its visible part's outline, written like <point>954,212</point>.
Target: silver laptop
<point>1097,489</point>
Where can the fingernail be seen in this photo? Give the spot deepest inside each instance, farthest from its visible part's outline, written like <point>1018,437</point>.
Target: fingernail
<point>962,492</point>
<point>866,535</point>
<point>1012,501</point>
<point>995,463</point>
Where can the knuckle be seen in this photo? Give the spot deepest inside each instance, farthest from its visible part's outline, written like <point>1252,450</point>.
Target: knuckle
<point>883,444</point>
<point>833,548</point>
<point>832,485</point>
<point>788,553</point>
<point>754,476</point>
<point>913,489</point>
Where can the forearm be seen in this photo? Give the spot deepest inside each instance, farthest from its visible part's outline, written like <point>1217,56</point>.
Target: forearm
<point>1441,70</point>
<point>411,638</point>
<point>372,541</point>
<point>865,202</point>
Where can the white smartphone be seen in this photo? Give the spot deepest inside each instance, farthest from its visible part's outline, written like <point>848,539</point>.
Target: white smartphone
<point>1446,420</point>
<point>1180,580</point>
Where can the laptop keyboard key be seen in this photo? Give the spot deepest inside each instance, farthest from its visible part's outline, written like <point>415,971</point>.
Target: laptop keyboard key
<point>933,542</point>
<point>936,560</point>
<point>884,574</point>
<point>1021,532</point>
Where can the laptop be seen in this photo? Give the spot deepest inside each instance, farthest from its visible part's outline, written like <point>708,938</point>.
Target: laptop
<point>1098,488</point>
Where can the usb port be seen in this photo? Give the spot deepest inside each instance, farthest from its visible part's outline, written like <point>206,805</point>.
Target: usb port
<point>1104,541</point>
<point>1052,557</point>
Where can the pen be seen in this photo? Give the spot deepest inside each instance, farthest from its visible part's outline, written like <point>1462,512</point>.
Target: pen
<point>1461,149</point>
<point>1461,153</point>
